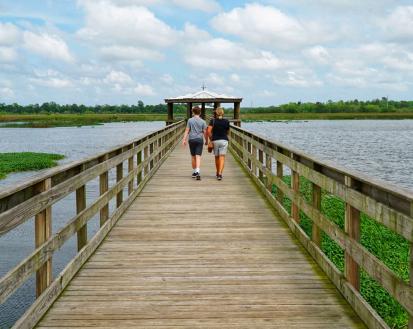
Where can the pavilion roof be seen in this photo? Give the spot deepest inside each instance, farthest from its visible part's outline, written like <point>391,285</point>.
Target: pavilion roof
<point>203,96</point>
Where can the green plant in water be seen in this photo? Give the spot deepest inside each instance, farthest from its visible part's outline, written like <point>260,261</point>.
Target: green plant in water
<point>389,247</point>
<point>25,161</point>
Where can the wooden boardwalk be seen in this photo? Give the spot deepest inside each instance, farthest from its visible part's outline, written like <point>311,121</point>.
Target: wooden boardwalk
<point>208,254</point>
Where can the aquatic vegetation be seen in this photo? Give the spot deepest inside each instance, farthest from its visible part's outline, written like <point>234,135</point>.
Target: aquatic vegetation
<point>25,161</point>
<point>389,247</point>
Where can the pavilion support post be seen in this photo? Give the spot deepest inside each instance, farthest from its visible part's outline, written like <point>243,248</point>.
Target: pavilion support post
<point>203,111</point>
<point>170,114</point>
<point>189,111</point>
<point>237,110</point>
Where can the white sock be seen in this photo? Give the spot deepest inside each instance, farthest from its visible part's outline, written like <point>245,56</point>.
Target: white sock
<point>197,170</point>
<point>194,171</point>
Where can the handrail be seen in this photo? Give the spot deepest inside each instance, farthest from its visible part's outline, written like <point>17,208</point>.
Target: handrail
<point>385,203</point>
<point>37,196</point>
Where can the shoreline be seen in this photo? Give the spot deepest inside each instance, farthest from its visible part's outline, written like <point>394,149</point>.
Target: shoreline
<point>78,120</point>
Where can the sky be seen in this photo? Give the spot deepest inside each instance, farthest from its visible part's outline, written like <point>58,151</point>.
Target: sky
<point>269,52</point>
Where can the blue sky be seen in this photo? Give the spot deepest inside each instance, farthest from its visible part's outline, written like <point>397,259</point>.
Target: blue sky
<point>268,52</point>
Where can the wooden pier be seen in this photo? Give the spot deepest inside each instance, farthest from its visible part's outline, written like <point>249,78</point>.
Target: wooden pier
<point>180,253</point>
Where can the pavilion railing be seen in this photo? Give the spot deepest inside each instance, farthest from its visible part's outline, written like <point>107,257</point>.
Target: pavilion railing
<point>36,197</point>
<point>267,161</point>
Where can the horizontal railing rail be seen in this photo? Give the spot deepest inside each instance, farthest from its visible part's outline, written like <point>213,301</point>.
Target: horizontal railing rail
<point>36,197</point>
<point>385,203</point>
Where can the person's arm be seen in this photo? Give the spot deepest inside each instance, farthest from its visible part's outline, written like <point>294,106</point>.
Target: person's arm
<point>185,136</point>
<point>209,130</point>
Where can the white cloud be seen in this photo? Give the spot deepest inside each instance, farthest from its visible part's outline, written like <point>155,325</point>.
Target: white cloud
<point>131,25</point>
<point>319,54</point>
<point>128,53</point>
<point>235,78</point>
<point>167,79</point>
<point>193,33</point>
<point>50,46</point>
<point>118,77</point>
<point>6,92</point>
<point>226,55</point>
<point>339,6</point>
<point>399,24</point>
<point>9,34</point>
<point>58,83</point>
<point>7,54</point>
<point>132,2</point>
<point>298,79</point>
<point>203,5</point>
<point>144,90</point>
<point>215,79</point>
<point>268,26</point>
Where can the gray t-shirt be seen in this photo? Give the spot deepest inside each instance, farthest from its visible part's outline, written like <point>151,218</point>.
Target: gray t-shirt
<point>196,128</point>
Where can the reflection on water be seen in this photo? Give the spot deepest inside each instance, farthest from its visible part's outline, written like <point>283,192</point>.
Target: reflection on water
<point>75,143</point>
<point>378,148</point>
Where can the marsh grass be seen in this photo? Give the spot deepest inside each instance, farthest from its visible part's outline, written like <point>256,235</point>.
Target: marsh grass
<point>25,161</point>
<point>90,119</point>
<point>71,120</point>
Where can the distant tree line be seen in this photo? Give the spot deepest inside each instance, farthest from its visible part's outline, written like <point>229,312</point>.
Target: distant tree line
<point>52,107</point>
<point>353,106</point>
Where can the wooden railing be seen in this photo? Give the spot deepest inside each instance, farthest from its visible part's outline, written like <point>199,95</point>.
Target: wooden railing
<point>386,204</point>
<point>36,197</point>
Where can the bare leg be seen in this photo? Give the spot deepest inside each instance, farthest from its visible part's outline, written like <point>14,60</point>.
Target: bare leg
<point>194,162</point>
<point>197,161</point>
<point>217,163</point>
<point>221,164</point>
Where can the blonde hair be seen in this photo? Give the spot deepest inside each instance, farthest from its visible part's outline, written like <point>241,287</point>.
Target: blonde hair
<point>219,112</point>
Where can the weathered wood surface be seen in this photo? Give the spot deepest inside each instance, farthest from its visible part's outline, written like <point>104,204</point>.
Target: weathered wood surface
<point>385,203</point>
<point>205,254</point>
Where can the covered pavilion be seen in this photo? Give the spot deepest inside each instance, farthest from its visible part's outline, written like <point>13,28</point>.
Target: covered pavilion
<point>202,98</point>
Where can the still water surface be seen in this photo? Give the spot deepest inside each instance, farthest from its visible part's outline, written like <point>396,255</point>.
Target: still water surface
<point>380,148</point>
<point>75,143</point>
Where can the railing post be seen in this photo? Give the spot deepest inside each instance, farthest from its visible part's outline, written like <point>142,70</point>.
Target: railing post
<point>151,149</point>
<point>268,165</point>
<point>254,157</point>
<point>43,231</point>
<point>103,188</point>
<point>411,267</point>
<point>119,176</point>
<point>280,175</point>
<point>316,196</point>
<point>145,158</point>
<point>244,150</point>
<point>261,160</point>
<point>138,162</point>
<point>295,185</point>
<point>130,168</point>
<point>80,206</point>
<point>249,150</point>
<point>352,228</point>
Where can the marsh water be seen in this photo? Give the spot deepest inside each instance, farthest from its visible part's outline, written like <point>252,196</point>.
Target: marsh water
<point>74,143</point>
<point>379,148</point>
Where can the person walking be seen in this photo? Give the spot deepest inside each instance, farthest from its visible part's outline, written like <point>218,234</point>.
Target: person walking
<point>196,130</point>
<point>218,129</point>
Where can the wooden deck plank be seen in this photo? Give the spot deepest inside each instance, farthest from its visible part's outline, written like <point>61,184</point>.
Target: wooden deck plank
<point>200,254</point>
